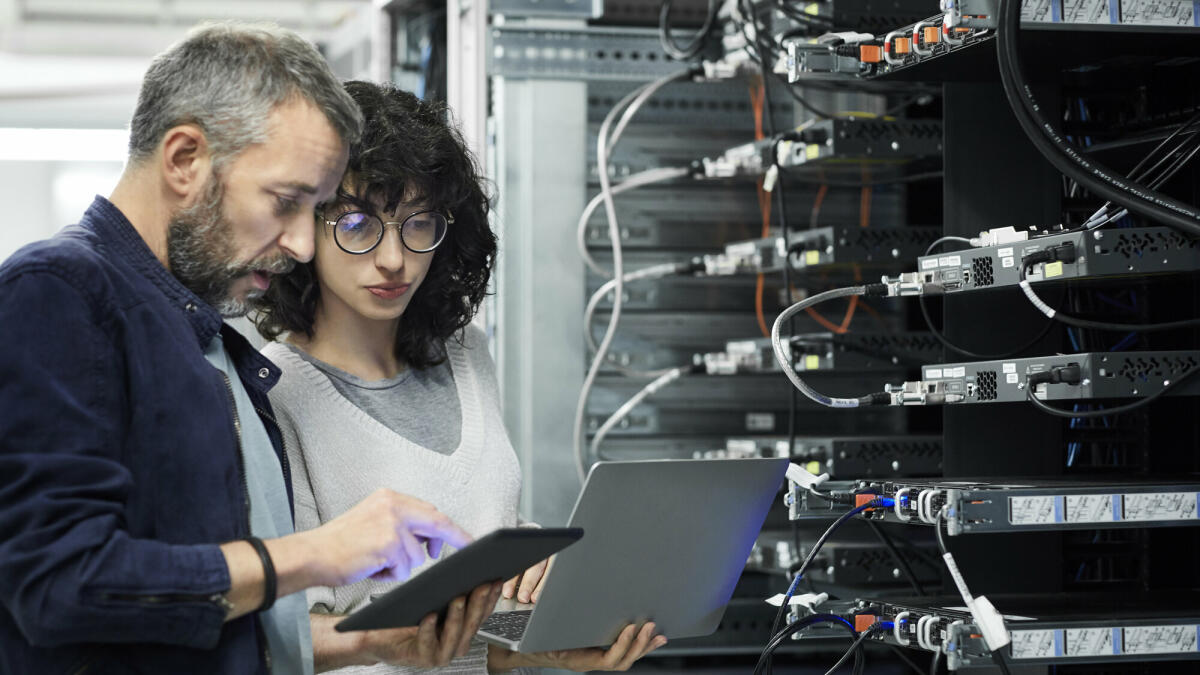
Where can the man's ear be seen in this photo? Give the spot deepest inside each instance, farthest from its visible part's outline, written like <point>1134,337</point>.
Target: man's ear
<point>186,162</point>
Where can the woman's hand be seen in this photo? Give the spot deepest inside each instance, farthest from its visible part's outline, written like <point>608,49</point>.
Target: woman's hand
<point>427,646</point>
<point>631,645</point>
<point>527,586</point>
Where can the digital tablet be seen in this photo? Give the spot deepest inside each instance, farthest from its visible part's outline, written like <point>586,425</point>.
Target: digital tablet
<point>501,555</point>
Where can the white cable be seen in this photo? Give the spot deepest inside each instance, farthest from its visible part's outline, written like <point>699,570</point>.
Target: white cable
<point>1037,302</point>
<point>614,234</point>
<point>896,629</point>
<point>647,391</point>
<point>784,358</point>
<point>922,636</point>
<point>637,180</point>
<point>899,499</point>
<point>652,272</point>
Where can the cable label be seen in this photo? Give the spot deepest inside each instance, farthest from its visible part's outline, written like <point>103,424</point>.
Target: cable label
<point>1036,644</point>
<point>1161,506</point>
<point>1159,639</point>
<point>1033,510</point>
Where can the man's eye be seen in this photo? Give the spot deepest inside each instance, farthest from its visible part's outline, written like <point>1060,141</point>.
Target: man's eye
<point>285,205</point>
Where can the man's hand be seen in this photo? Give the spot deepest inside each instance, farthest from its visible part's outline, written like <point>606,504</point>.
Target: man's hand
<point>426,645</point>
<point>527,586</point>
<point>383,537</point>
<point>631,645</point>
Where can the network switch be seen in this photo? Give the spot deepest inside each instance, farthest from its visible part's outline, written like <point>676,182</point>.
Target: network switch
<point>841,143</point>
<point>826,352</point>
<point>1076,377</point>
<point>846,563</point>
<point>849,456</point>
<point>1049,629</point>
<point>969,507</point>
<point>1099,253</point>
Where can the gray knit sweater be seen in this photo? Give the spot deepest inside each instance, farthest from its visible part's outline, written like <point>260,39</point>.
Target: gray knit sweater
<point>339,455</point>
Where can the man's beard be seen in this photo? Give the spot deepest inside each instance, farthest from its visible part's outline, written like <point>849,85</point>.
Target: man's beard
<point>201,254</point>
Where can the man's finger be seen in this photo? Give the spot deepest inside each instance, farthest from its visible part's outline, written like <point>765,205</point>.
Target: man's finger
<point>435,547</point>
<point>537,592</point>
<point>411,548</point>
<point>435,525</point>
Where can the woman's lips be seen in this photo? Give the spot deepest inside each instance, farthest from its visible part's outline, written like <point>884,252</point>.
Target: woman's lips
<point>388,292</point>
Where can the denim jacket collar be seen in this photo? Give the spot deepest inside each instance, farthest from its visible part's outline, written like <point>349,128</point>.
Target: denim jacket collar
<point>127,245</point>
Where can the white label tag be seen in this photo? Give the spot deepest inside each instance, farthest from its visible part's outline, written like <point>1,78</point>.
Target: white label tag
<point>1004,252</point>
<point>1089,642</point>
<point>1009,367</point>
<point>956,372</point>
<point>1090,509</point>
<point>1030,510</point>
<point>1162,506</point>
<point>1160,639</point>
<point>1007,262</point>
<point>1011,378</point>
<point>933,374</point>
<point>929,263</point>
<point>1033,644</point>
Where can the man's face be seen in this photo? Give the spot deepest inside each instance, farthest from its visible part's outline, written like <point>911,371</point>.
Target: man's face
<point>254,219</point>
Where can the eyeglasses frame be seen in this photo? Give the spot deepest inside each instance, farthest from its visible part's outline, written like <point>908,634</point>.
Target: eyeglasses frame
<point>448,215</point>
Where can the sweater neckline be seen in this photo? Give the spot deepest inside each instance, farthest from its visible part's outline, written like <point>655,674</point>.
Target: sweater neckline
<point>458,464</point>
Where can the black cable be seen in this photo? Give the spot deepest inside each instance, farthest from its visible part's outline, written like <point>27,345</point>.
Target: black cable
<point>793,628</point>
<point>1103,325</point>
<point>998,659</point>
<point>812,554</point>
<point>1105,412</point>
<point>937,526</point>
<point>923,302</point>
<point>1089,174</point>
<point>696,44</point>
<point>762,47</point>
<point>900,560</point>
<point>854,648</point>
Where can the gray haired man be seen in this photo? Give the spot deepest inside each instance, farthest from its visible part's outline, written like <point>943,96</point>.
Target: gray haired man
<point>145,505</point>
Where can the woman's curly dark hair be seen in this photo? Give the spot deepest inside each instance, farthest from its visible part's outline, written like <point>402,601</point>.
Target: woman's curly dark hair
<point>409,152</point>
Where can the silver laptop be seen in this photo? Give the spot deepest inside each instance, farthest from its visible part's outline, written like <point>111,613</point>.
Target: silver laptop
<point>664,541</point>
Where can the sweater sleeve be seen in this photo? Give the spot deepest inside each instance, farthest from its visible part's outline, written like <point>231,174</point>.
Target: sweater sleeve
<point>70,571</point>
<point>320,598</point>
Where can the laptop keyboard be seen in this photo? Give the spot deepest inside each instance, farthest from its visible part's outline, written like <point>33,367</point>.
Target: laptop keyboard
<point>507,625</point>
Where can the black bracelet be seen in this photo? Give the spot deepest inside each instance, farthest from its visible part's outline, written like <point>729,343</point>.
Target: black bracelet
<point>270,581</point>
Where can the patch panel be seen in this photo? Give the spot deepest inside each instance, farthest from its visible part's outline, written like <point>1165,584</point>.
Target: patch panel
<point>970,507</point>
<point>1046,629</point>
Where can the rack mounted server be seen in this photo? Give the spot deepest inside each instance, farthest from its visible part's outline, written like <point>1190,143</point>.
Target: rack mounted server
<point>1053,629</point>
<point>1021,505</point>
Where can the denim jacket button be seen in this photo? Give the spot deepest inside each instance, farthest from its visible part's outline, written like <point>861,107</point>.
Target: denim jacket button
<point>264,373</point>
<point>191,307</point>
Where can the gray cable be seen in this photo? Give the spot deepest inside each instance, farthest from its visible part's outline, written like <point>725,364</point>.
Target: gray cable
<point>784,359</point>
<point>614,233</point>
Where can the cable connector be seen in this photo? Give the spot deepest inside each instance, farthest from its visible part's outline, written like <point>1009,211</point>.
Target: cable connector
<point>909,284</point>
<point>801,476</point>
<point>998,236</point>
<point>809,601</point>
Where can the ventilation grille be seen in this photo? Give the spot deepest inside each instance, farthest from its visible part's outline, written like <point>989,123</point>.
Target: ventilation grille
<point>872,239</point>
<point>874,450</point>
<point>1158,368</point>
<point>985,382</point>
<point>902,343</point>
<point>871,130</point>
<point>1135,245</point>
<point>981,272</point>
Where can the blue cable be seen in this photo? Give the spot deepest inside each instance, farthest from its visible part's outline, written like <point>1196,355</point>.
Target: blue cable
<point>1074,340</point>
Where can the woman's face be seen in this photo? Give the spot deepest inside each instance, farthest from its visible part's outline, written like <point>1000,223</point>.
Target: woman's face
<point>378,284</point>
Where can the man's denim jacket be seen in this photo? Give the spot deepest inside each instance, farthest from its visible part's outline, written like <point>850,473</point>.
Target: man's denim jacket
<point>120,466</point>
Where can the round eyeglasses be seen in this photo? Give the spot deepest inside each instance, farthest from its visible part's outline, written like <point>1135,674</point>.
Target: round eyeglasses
<point>356,232</point>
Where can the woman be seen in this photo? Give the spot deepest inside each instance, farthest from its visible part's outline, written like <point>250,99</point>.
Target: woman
<point>386,383</point>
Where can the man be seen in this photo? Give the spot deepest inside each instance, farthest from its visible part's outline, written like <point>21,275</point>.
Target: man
<point>145,503</point>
